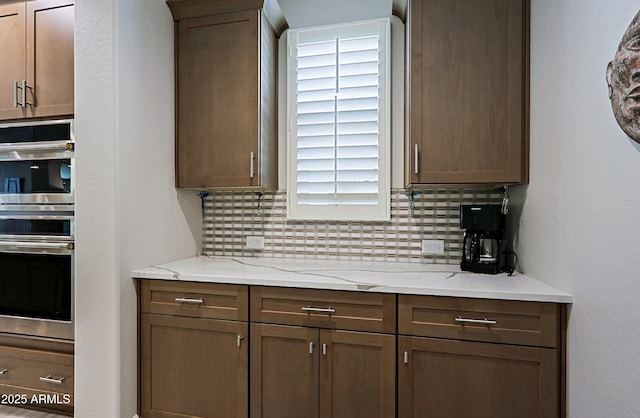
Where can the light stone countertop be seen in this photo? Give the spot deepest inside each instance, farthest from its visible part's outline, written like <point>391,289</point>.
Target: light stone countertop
<point>384,277</point>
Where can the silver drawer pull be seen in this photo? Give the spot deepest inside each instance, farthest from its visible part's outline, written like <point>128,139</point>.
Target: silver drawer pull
<point>191,301</point>
<point>240,338</point>
<point>475,321</point>
<point>50,379</point>
<point>310,348</point>
<point>318,310</point>
<point>3,372</point>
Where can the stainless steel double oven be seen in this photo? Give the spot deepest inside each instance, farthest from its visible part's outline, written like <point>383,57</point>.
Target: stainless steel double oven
<point>37,228</point>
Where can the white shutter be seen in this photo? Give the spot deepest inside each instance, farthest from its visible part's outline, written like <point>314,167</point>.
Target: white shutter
<point>338,147</point>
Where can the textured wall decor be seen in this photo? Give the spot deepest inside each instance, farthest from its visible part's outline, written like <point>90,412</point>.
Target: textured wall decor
<point>230,216</point>
<point>623,79</point>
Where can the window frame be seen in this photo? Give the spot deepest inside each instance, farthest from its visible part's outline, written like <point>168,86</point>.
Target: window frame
<point>342,212</point>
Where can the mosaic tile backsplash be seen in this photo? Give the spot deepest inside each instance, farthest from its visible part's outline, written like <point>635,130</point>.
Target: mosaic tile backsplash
<point>230,216</point>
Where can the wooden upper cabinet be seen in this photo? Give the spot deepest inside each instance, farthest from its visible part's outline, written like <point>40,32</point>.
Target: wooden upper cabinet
<point>226,109</point>
<point>50,26</point>
<point>12,57</point>
<point>467,92</point>
<point>37,59</point>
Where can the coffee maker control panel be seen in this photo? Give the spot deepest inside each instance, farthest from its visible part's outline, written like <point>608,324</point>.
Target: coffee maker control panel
<point>481,217</point>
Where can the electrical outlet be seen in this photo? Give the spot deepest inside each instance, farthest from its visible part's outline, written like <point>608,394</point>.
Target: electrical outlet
<point>432,247</point>
<point>254,243</point>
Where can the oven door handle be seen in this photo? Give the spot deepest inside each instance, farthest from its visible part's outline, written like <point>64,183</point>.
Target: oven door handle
<point>36,217</point>
<point>35,147</point>
<point>36,247</point>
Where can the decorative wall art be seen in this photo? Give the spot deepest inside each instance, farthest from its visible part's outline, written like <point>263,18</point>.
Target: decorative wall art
<point>623,79</point>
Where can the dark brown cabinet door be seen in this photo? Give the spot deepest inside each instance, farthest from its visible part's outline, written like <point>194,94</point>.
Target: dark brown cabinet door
<point>468,92</point>
<point>305,372</point>
<point>357,375</point>
<point>453,379</point>
<point>50,27</point>
<point>193,367</point>
<point>37,49</point>
<point>218,106</point>
<point>284,371</point>
<point>12,59</point>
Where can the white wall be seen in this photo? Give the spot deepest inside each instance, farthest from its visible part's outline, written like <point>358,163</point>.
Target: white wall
<point>157,222</point>
<point>128,213</point>
<point>97,359</point>
<point>579,215</point>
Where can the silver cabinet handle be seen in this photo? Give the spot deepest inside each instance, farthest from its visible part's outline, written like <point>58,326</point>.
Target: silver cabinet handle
<point>251,173</point>
<point>22,86</point>
<point>310,348</point>
<point>3,372</point>
<point>240,338</point>
<point>318,310</point>
<point>475,321</point>
<point>25,86</point>
<point>191,301</point>
<point>416,160</point>
<point>50,379</point>
<point>15,94</point>
<point>24,93</point>
<point>406,357</point>
<point>324,349</point>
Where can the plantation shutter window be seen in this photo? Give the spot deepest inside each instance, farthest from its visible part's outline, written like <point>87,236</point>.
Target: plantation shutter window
<point>338,145</point>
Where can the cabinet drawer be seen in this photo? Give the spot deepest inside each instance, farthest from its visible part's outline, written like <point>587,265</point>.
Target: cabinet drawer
<point>499,321</point>
<point>374,312</point>
<point>33,373</point>
<point>200,300</point>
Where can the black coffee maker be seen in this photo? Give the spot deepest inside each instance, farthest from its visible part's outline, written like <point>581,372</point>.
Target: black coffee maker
<point>484,238</point>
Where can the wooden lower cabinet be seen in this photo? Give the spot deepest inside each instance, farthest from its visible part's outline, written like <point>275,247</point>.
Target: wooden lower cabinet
<point>37,374</point>
<point>193,367</point>
<point>235,351</point>
<point>451,379</point>
<point>284,371</point>
<point>309,372</point>
<point>357,375</point>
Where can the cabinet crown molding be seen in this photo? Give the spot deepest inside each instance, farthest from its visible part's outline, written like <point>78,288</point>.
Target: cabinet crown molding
<point>185,9</point>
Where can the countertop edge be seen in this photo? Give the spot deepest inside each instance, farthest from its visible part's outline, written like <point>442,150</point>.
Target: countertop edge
<point>550,294</point>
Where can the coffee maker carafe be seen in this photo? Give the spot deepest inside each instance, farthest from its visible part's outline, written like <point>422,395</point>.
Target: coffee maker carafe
<point>484,238</point>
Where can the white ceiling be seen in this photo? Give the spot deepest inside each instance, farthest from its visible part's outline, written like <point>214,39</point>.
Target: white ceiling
<point>306,13</point>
